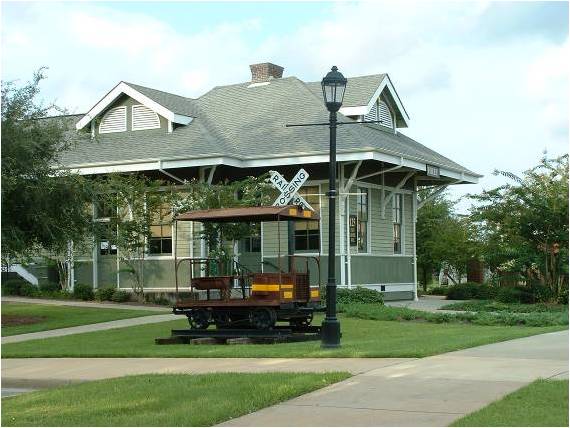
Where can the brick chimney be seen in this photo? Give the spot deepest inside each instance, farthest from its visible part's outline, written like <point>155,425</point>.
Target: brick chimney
<point>264,71</point>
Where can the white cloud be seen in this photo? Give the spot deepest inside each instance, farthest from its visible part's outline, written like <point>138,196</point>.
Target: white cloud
<point>487,97</point>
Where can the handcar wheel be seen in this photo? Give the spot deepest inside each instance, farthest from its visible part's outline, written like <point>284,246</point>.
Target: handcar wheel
<point>199,319</point>
<point>263,318</point>
<point>222,319</point>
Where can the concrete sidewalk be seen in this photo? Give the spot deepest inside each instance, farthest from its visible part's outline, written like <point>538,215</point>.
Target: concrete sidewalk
<point>108,325</point>
<point>107,305</point>
<point>431,391</point>
<point>46,372</point>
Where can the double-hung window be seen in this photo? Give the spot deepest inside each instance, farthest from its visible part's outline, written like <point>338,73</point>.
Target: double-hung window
<point>160,241</point>
<point>252,244</point>
<point>362,216</point>
<point>397,223</point>
<point>307,233</point>
<point>103,215</point>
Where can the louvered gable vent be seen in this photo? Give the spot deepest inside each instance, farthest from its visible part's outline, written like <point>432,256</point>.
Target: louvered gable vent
<point>144,118</point>
<point>115,120</point>
<point>373,113</point>
<point>380,111</point>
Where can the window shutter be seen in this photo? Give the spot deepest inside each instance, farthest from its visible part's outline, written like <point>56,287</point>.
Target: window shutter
<point>144,118</point>
<point>385,115</point>
<point>115,120</point>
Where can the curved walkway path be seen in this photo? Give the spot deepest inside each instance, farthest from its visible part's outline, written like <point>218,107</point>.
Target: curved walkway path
<point>431,391</point>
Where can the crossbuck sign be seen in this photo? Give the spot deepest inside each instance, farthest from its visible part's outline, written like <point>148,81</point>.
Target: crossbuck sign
<point>289,190</point>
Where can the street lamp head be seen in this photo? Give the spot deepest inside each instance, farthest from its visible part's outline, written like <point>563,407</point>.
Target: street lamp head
<point>333,84</point>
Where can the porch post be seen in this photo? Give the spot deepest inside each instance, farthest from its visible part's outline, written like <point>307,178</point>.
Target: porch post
<point>414,220</point>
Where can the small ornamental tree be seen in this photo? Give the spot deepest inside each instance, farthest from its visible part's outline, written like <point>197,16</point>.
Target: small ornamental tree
<point>44,206</point>
<point>132,204</point>
<point>525,223</point>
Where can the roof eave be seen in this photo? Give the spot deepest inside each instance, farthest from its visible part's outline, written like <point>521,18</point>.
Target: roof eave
<point>402,117</point>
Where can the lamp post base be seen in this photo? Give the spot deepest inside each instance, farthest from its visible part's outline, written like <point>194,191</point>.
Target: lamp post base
<point>330,333</point>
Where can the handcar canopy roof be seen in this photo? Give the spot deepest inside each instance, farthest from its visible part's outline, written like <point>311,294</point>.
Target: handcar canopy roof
<point>248,214</point>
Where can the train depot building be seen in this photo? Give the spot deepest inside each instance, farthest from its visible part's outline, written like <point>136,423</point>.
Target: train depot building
<point>239,130</point>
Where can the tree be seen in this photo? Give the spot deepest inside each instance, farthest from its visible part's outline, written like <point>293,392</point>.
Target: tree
<point>443,239</point>
<point>43,205</point>
<point>128,206</point>
<point>525,223</point>
<point>430,226</point>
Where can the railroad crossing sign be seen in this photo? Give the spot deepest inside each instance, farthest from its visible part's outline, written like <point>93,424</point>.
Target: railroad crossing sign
<point>289,189</point>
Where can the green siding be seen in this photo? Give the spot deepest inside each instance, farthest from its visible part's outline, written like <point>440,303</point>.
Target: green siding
<point>378,269</point>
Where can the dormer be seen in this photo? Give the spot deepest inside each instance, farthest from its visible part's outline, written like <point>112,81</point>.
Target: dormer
<point>374,98</point>
<point>131,108</point>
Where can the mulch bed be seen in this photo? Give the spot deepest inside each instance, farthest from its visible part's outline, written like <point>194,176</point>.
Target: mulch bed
<point>14,320</point>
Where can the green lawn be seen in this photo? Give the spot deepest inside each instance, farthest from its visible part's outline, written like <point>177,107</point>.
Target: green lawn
<point>49,317</point>
<point>160,400</point>
<point>361,338</point>
<point>543,403</point>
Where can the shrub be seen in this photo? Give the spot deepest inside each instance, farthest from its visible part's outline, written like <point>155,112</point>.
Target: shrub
<point>28,290</point>
<point>157,299</point>
<point>358,295</point>
<point>470,290</point>
<point>541,293</point>
<point>120,296</point>
<point>104,293</point>
<point>83,292</point>
<point>514,295</point>
<point>563,297</point>
<point>11,287</point>
<point>439,290</point>
<point>49,287</point>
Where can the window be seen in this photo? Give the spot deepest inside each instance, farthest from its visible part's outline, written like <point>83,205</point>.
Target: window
<point>252,244</point>
<point>397,222</point>
<point>144,118</point>
<point>103,215</point>
<point>362,217</point>
<point>160,241</point>
<point>115,120</point>
<point>307,233</point>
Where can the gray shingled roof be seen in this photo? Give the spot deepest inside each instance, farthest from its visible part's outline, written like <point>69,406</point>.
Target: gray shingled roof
<point>359,90</point>
<point>175,103</point>
<point>249,123</point>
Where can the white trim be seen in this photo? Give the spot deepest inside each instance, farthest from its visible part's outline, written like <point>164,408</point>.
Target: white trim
<point>123,88</point>
<point>150,164</point>
<point>365,109</point>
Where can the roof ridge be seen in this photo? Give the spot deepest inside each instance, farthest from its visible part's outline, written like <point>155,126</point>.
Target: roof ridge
<point>357,77</point>
<point>157,90</point>
<point>247,82</point>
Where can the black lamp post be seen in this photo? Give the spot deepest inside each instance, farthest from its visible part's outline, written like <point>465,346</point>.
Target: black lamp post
<point>333,84</point>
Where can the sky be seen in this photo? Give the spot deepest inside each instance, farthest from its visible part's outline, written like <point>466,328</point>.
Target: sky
<point>484,83</point>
